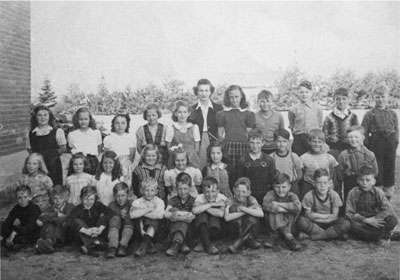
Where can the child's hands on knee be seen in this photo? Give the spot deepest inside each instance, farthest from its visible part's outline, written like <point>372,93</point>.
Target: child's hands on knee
<point>39,223</point>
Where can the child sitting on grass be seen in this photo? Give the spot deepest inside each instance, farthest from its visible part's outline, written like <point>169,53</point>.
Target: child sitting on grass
<point>148,211</point>
<point>209,210</point>
<point>282,208</point>
<point>19,228</point>
<point>53,221</point>
<point>120,229</point>
<point>321,205</point>
<point>89,221</point>
<point>243,214</point>
<point>370,213</point>
<point>179,213</point>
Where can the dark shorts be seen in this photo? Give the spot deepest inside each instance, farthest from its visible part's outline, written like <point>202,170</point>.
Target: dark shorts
<point>209,220</point>
<point>181,227</point>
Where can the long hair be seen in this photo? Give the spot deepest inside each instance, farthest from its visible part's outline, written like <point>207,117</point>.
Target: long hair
<point>34,122</point>
<point>75,118</point>
<point>42,165</point>
<point>116,172</point>
<point>128,121</point>
<point>227,102</point>
<point>214,145</point>
<point>71,163</point>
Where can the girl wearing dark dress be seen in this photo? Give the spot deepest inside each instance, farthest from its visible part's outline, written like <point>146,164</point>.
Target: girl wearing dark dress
<point>44,138</point>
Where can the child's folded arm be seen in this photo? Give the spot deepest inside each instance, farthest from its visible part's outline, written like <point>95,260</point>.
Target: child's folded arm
<point>200,208</point>
<point>255,211</point>
<point>158,212</point>
<point>230,216</point>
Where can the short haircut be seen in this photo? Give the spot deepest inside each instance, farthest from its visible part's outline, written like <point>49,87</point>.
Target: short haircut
<point>121,186</point>
<point>203,82</point>
<point>366,170</point>
<point>88,191</point>
<point>341,92</point>
<point>320,172</point>
<point>358,128</point>
<point>255,133</point>
<point>149,182</point>
<point>316,133</point>
<point>243,181</point>
<point>380,90</point>
<point>59,190</point>
<point>264,94</point>
<point>128,121</point>
<point>208,182</point>
<point>306,84</point>
<point>151,106</point>
<point>178,104</point>
<point>281,133</point>
<point>227,102</point>
<point>280,178</point>
<point>183,178</point>
<point>23,188</point>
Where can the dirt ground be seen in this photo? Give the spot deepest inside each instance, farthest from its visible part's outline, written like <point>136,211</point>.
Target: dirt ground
<point>318,260</point>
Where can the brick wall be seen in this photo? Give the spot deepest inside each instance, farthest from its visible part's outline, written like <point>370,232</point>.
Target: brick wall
<point>15,75</point>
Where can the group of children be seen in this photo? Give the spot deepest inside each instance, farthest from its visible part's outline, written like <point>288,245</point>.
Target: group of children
<point>217,171</point>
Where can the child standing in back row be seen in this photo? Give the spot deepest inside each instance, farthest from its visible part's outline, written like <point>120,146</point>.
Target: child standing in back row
<point>86,139</point>
<point>268,121</point>
<point>184,133</point>
<point>303,117</point>
<point>337,123</point>
<point>234,123</point>
<point>153,132</point>
<point>122,143</point>
<point>382,137</point>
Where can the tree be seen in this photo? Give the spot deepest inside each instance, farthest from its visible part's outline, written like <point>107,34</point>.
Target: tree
<point>47,95</point>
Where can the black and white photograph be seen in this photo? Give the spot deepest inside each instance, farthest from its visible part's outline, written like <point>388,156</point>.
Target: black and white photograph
<point>196,140</point>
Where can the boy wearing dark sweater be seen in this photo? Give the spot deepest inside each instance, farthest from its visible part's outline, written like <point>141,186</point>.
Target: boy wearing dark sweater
<point>338,121</point>
<point>89,221</point>
<point>20,227</point>
<point>382,137</point>
<point>257,166</point>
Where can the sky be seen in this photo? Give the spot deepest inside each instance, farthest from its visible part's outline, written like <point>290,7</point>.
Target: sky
<point>246,43</point>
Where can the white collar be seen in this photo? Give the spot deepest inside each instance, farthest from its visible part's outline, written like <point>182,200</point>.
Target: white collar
<point>341,114</point>
<point>220,165</point>
<point>208,105</point>
<point>230,109</point>
<point>182,126</point>
<point>43,129</point>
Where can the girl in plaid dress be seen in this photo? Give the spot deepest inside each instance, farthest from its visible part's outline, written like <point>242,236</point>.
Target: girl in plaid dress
<point>234,123</point>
